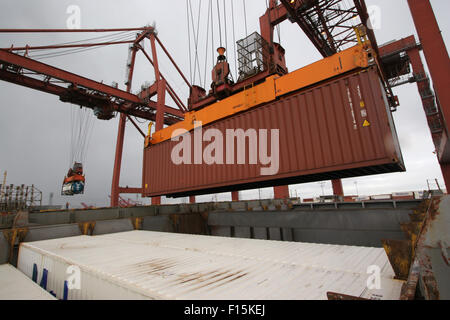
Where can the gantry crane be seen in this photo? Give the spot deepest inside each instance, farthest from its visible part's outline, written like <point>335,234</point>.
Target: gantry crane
<point>328,24</point>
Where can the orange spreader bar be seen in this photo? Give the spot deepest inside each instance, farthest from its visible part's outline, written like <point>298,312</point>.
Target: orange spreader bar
<point>273,87</point>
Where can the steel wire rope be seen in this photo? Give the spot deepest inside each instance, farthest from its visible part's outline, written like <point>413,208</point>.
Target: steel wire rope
<point>207,42</point>
<point>225,23</point>
<point>220,25</point>
<point>195,35</point>
<point>85,128</point>
<point>107,38</point>
<point>71,51</point>
<point>234,40</point>
<point>226,32</point>
<point>196,46</point>
<point>212,34</point>
<point>82,123</point>
<point>245,19</point>
<point>116,38</point>
<point>189,39</point>
<point>48,53</point>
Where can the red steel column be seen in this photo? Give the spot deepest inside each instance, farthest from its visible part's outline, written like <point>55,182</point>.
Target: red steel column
<point>281,192</point>
<point>445,168</point>
<point>120,138</point>
<point>437,58</point>
<point>118,162</point>
<point>338,189</point>
<point>423,85</point>
<point>235,196</point>
<point>161,100</point>
<point>192,199</point>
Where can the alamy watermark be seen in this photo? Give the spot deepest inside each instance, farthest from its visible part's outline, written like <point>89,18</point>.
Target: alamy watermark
<point>229,149</point>
<point>74,278</point>
<point>374,280</point>
<point>74,19</point>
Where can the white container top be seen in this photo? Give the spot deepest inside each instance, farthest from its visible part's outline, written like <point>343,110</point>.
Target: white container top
<point>154,265</point>
<point>14,285</point>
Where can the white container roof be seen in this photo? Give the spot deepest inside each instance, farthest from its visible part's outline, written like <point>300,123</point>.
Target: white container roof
<point>14,285</point>
<point>154,265</point>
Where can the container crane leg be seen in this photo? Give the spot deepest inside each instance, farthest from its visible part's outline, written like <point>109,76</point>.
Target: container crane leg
<point>118,162</point>
<point>338,189</point>
<point>281,192</point>
<point>115,188</point>
<point>437,60</point>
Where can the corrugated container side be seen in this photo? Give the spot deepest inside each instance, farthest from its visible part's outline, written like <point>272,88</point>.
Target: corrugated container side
<point>323,135</point>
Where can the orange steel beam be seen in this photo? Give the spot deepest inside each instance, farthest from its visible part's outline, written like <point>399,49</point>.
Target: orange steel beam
<point>235,196</point>
<point>274,86</point>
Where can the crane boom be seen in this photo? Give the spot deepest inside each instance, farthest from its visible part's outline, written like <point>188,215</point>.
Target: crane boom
<point>76,89</point>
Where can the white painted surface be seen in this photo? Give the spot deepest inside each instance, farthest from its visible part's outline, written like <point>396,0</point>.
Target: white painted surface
<point>14,285</point>
<point>153,265</point>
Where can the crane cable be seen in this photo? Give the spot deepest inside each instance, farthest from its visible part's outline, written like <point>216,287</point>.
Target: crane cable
<point>207,40</point>
<point>225,24</point>
<point>196,36</point>
<point>234,41</point>
<point>76,50</point>
<point>82,125</point>
<point>245,19</point>
<point>226,33</point>
<point>189,40</point>
<point>220,25</point>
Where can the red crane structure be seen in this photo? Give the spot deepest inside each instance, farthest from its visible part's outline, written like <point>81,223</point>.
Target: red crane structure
<point>329,25</point>
<point>103,99</point>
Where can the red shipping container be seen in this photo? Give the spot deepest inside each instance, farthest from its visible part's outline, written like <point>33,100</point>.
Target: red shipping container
<point>339,129</point>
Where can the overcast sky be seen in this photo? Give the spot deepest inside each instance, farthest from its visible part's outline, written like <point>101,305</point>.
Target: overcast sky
<point>35,128</point>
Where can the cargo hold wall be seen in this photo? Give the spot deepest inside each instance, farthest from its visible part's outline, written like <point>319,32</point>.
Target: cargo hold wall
<point>339,129</point>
